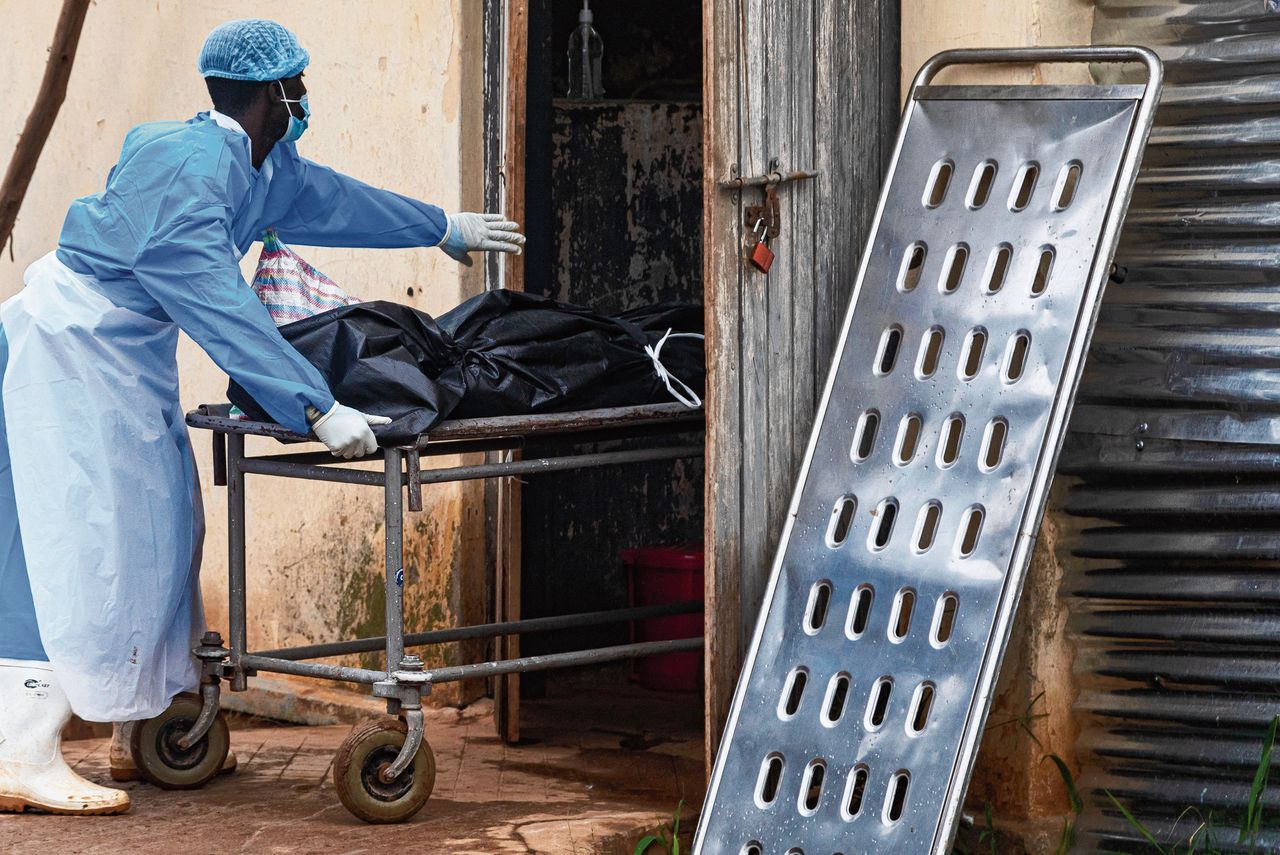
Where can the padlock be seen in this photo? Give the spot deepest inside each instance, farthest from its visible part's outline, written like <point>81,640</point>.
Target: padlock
<point>761,256</point>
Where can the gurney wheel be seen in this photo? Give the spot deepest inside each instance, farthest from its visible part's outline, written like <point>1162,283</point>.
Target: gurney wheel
<point>163,762</point>
<point>370,748</point>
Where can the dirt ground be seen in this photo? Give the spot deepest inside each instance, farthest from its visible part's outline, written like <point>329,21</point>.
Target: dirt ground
<point>595,770</point>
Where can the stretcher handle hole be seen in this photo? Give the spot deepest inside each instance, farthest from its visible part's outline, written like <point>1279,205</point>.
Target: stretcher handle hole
<point>819,603</point>
<point>1024,186</point>
<point>855,789</point>
<point>864,438</point>
<point>860,611</point>
<point>1040,282</point>
<point>921,704</point>
<point>998,267</point>
<point>878,703</point>
<point>896,799</point>
<point>890,344</point>
<point>975,344</point>
<point>903,606</point>
<point>908,439</point>
<point>884,516</point>
<point>792,693</point>
<point>837,696</point>
<point>944,619</point>
<point>811,788</point>
<point>952,436</point>
<point>953,268</point>
<point>770,779</point>
<point>930,352</point>
<point>939,180</point>
<point>841,521</point>
<point>753,848</point>
<point>984,177</point>
<point>993,442</point>
<point>970,530</point>
<point>912,267</point>
<point>927,526</point>
<point>1068,184</point>
<point>1015,362</point>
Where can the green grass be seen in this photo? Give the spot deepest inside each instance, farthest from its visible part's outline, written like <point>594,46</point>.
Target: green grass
<point>667,838</point>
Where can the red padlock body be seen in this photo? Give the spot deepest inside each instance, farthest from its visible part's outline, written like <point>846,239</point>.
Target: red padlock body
<point>762,257</point>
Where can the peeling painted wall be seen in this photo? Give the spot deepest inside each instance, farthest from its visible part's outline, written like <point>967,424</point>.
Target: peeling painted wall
<point>395,91</point>
<point>1032,713</point>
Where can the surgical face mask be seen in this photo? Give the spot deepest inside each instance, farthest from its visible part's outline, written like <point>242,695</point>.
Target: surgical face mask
<point>296,126</point>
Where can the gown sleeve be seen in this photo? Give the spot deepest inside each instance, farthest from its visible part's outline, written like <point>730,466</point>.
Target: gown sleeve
<point>328,208</point>
<point>186,265</point>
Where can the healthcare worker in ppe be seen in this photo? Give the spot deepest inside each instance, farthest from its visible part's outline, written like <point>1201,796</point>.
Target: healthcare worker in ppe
<point>100,519</point>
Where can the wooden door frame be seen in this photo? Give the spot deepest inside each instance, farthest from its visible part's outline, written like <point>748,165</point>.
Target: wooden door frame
<point>506,42</point>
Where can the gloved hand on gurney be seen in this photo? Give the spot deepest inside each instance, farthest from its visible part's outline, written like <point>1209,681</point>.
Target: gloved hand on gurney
<point>346,431</point>
<point>480,233</point>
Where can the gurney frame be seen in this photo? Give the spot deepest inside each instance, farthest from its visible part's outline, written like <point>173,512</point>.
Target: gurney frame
<point>406,681</point>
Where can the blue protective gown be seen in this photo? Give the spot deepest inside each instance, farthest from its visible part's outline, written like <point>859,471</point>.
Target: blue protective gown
<point>161,244</point>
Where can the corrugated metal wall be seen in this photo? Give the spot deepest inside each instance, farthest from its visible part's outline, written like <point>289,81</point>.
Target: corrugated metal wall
<point>1175,572</point>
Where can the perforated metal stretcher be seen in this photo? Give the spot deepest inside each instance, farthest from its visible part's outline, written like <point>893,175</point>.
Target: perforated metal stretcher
<point>856,721</point>
<point>384,771</point>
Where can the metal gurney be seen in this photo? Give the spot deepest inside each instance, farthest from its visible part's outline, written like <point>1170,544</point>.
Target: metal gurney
<point>385,770</point>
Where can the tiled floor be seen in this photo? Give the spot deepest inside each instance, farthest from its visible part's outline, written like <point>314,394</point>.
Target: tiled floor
<point>594,771</point>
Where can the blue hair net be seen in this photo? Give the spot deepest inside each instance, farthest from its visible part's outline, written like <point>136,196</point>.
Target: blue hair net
<point>252,49</point>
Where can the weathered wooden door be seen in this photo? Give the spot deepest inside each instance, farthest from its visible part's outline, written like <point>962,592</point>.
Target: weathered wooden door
<point>788,85</point>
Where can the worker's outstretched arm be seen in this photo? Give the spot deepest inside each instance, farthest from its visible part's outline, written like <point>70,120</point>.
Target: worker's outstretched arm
<point>189,269</point>
<point>326,208</point>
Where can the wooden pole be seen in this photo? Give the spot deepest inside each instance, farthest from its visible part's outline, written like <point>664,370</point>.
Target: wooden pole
<point>53,89</point>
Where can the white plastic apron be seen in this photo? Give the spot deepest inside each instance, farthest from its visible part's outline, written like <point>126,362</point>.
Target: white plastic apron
<point>107,493</point>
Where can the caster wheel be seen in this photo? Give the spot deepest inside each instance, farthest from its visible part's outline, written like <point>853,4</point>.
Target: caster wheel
<point>159,758</point>
<point>369,749</point>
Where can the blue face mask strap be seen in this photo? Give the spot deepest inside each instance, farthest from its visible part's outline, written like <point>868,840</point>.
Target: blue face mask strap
<point>289,101</point>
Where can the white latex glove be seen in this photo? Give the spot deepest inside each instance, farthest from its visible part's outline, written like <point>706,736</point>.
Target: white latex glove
<point>480,233</point>
<point>346,431</point>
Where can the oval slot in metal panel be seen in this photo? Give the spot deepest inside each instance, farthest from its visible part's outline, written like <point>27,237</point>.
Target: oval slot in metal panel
<point>927,526</point>
<point>1068,185</point>
<point>908,439</point>
<point>970,531</point>
<point>811,787</point>
<point>837,696</point>
<point>887,355</point>
<point>939,180</point>
<point>770,780</point>
<point>841,520</point>
<point>819,602</point>
<point>984,177</point>
<point>921,705</point>
<point>998,268</point>
<point>903,606</point>
<point>1015,361</point>
<point>1024,185</point>
<point>855,791</point>
<point>793,693</point>
<point>912,267</point>
<point>864,438</point>
<point>944,619</point>
<point>882,525</point>
<point>975,344</point>
<point>993,442</point>
<point>952,437</point>
<point>878,703</point>
<point>953,268</point>
<point>1040,282</point>
<point>930,352</point>
<point>859,611</point>
<point>895,802</point>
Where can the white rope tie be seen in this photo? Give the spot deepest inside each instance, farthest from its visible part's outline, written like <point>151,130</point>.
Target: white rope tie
<point>684,394</point>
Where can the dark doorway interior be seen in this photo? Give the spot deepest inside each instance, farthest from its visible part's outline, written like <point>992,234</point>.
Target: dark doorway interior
<point>614,220</point>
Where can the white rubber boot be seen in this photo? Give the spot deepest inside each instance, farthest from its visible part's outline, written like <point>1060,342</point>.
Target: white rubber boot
<point>33,775</point>
<point>121,755</point>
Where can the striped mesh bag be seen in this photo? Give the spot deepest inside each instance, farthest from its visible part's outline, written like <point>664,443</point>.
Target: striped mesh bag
<point>290,288</point>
